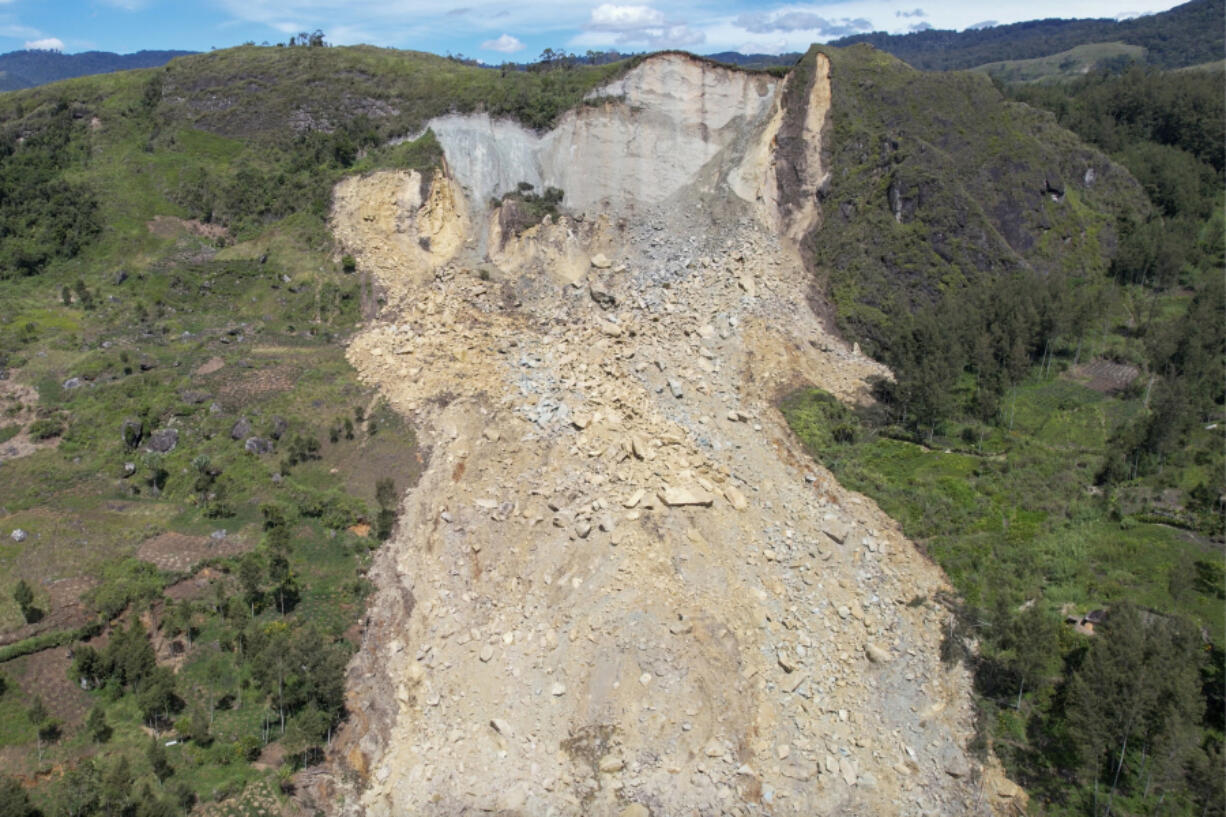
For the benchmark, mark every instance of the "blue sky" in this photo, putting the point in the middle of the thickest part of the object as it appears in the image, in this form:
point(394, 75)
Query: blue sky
point(496, 31)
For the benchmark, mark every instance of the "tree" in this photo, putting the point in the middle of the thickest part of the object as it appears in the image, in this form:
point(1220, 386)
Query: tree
point(14, 802)
point(24, 596)
point(158, 760)
point(116, 788)
point(96, 726)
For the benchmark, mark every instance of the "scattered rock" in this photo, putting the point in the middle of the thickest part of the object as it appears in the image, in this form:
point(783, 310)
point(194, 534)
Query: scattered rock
point(487, 653)
point(72, 383)
point(164, 441)
point(876, 654)
point(611, 763)
point(601, 295)
point(558, 689)
point(601, 261)
point(279, 426)
point(241, 429)
point(735, 498)
point(194, 398)
point(635, 810)
point(674, 386)
point(678, 496)
point(258, 445)
point(18, 535)
point(837, 529)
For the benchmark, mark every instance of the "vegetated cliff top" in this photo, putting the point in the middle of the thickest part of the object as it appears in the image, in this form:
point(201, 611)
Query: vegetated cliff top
point(1189, 34)
point(938, 183)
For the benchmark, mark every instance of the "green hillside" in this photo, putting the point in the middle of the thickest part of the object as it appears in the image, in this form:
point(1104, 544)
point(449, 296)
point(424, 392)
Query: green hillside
point(1186, 35)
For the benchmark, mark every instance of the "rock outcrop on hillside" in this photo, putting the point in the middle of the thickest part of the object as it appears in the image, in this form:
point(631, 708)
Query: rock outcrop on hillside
point(621, 587)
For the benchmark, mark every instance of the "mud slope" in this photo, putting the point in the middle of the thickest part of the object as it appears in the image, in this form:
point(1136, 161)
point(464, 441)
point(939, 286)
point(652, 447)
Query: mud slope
point(620, 588)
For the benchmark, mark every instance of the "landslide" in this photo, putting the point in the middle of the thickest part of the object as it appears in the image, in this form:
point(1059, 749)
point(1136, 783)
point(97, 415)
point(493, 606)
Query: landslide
point(620, 587)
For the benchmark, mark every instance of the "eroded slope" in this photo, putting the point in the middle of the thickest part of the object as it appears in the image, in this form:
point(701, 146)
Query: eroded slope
point(620, 587)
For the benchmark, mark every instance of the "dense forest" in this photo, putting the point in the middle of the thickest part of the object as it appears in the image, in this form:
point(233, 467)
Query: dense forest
point(1186, 35)
point(1045, 493)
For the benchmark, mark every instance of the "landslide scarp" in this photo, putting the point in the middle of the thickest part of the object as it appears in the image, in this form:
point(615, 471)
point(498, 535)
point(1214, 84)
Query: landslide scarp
point(620, 584)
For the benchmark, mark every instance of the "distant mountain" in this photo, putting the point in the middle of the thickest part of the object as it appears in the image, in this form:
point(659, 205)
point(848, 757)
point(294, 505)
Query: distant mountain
point(26, 69)
point(1186, 35)
point(758, 61)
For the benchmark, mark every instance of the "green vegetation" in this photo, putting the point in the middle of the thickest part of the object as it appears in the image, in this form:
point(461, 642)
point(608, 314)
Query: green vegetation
point(1066, 65)
point(1052, 436)
point(185, 481)
point(1185, 35)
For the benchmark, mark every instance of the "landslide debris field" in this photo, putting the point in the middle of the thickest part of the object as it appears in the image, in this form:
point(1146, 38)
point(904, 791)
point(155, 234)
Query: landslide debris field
point(619, 586)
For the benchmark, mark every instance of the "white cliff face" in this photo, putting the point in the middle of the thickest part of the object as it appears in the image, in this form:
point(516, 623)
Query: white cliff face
point(640, 140)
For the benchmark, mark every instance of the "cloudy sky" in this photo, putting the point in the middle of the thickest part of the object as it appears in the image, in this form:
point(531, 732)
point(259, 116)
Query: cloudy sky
point(496, 31)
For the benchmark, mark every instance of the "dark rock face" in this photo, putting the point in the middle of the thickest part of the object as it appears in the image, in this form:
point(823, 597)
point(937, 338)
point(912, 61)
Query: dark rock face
point(131, 432)
point(164, 440)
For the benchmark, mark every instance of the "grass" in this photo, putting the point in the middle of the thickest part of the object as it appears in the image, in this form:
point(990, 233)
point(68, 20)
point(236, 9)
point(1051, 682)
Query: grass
point(1015, 513)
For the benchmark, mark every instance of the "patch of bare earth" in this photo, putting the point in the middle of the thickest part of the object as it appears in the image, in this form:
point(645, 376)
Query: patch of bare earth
point(1104, 376)
point(178, 552)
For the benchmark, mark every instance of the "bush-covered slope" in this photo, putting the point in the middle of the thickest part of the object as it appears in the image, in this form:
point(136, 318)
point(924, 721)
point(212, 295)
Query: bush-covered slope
point(941, 186)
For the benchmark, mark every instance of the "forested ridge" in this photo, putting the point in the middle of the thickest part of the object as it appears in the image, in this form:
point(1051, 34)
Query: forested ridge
point(1189, 34)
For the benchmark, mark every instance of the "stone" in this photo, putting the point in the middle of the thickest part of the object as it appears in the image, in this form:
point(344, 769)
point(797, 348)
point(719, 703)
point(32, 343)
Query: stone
point(583, 529)
point(601, 295)
point(501, 727)
point(241, 429)
point(257, 445)
point(131, 433)
point(876, 654)
point(487, 653)
point(735, 498)
point(279, 426)
point(601, 261)
point(610, 329)
point(635, 810)
point(679, 496)
point(837, 529)
point(18, 535)
point(580, 421)
point(164, 441)
point(72, 383)
point(782, 751)
point(674, 386)
point(847, 768)
point(713, 748)
point(194, 398)
point(558, 689)
point(611, 763)
point(638, 447)
point(785, 661)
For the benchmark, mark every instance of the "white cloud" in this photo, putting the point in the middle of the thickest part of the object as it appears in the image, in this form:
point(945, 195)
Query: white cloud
point(45, 44)
point(609, 17)
point(506, 44)
point(787, 21)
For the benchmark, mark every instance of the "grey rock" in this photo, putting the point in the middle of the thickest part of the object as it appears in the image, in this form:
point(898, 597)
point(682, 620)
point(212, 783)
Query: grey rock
point(194, 398)
point(258, 445)
point(241, 429)
point(279, 426)
point(72, 383)
point(674, 386)
point(601, 295)
point(164, 441)
point(18, 535)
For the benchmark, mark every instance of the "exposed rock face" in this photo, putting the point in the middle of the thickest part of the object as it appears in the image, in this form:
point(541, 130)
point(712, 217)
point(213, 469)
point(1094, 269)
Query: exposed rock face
point(620, 587)
point(641, 140)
